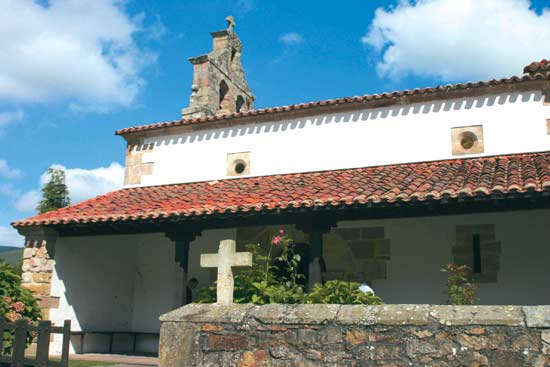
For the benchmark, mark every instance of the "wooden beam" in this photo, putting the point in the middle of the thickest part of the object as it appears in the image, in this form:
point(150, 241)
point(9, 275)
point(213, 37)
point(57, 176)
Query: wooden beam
point(415, 208)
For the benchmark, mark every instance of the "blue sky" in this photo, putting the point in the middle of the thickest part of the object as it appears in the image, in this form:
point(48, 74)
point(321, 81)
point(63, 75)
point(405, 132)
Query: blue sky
point(75, 71)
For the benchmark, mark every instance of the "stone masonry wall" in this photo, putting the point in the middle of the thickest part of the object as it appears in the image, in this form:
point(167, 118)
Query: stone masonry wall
point(355, 335)
point(37, 272)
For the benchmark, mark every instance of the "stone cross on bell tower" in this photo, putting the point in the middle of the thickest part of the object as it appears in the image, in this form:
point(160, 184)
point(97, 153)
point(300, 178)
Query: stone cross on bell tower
point(219, 85)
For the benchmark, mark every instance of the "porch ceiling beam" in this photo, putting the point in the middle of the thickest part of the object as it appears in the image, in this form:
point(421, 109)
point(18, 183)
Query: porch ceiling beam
point(444, 206)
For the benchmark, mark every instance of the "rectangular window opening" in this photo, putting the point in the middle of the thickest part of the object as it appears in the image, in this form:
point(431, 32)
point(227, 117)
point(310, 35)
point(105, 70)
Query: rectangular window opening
point(477, 253)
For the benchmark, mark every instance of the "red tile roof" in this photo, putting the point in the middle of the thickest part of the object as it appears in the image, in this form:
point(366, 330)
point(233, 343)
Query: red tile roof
point(538, 67)
point(427, 92)
point(402, 182)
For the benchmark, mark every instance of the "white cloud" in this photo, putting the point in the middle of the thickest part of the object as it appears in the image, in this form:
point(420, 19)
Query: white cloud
point(458, 39)
point(10, 237)
point(6, 171)
point(9, 117)
point(81, 50)
point(86, 183)
point(82, 184)
point(291, 39)
point(28, 201)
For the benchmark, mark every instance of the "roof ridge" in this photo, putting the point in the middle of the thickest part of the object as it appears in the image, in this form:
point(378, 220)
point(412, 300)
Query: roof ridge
point(338, 101)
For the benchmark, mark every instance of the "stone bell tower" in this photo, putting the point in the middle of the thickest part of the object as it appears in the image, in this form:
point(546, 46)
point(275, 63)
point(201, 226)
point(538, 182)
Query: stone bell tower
point(219, 85)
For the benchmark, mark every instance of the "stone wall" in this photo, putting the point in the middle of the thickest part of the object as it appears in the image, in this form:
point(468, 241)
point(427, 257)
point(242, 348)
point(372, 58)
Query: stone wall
point(37, 269)
point(355, 335)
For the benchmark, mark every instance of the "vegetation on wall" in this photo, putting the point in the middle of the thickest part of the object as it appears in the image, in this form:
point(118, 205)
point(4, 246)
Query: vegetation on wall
point(55, 194)
point(460, 288)
point(277, 279)
point(16, 303)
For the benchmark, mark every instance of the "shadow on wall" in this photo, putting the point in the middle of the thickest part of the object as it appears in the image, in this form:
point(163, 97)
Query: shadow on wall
point(109, 287)
point(351, 117)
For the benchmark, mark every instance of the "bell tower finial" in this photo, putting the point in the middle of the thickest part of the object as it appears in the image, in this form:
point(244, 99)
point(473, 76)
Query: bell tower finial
point(219, 85)
point(230, 23)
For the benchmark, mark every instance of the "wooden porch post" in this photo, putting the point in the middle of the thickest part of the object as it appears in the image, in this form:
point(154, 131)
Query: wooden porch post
point(316, 227)
point(182, 241)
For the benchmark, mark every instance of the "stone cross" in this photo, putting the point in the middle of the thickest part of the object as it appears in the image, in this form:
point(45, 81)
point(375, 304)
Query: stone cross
point(224, 260)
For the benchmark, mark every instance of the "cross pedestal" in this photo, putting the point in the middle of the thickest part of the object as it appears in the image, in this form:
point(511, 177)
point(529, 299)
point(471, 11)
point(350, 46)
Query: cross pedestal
point(224, 260)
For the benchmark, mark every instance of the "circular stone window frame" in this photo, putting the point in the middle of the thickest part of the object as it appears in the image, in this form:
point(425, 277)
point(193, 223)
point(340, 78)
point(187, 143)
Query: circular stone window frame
point(239, 167)
point(467, 140)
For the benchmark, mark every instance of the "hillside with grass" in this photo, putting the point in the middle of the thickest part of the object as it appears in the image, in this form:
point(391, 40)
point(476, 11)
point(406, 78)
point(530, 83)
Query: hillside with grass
point(11, 254)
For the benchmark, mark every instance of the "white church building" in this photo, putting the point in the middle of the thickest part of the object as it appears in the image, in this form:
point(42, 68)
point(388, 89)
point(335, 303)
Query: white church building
point(384, 189)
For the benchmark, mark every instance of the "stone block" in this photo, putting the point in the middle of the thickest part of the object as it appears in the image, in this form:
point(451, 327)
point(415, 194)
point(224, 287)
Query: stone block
point(311, 314)
point(39, 289)
point(362, 249)
point(357, 315)
point(403, 315)
point(226, 342)
point(492, 341)
point(372, 233)
point(48, 302)
point(178, 344)
point(382, 249)
point(42, 277)
point(375, 269)
point(29, 252)
point(208, 313)
point(349, 234)
point(526, 342)
point(537, 316)
point(478, 315)
point(27, 277)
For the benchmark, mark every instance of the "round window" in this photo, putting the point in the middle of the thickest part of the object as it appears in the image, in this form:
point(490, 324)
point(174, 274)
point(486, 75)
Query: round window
point(467, 140)
point(240, 166)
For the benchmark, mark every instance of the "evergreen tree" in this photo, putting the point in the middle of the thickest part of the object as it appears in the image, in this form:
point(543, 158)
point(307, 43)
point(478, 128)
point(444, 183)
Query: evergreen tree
point(55, 194)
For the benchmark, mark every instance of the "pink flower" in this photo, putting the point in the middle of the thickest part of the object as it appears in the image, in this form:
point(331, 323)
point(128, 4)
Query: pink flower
point(12, 316)
point(19, 306)
point(276, 240)
point(281, 232)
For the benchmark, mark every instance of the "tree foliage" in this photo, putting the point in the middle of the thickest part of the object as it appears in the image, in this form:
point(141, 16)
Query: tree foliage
point(16, 302)
point(55, 194)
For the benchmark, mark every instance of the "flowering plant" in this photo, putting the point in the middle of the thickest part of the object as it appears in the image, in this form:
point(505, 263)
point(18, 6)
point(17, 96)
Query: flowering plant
point(277, 279)
point(460, 288)
point(16, 303)
point(271, 279)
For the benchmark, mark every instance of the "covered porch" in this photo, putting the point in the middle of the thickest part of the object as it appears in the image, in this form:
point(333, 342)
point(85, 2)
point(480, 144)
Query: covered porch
point(115, 274)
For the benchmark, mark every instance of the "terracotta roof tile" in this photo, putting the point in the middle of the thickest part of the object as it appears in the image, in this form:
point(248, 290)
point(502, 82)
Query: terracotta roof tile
point(404, 182)
point(541, 67)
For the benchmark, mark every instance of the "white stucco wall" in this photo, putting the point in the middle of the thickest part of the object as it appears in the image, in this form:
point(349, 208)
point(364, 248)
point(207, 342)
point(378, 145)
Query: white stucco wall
point(421, 246)
point(512, 123)
point(123, 283)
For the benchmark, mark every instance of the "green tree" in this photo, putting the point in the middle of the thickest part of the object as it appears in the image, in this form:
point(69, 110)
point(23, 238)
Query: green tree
point(55, 194)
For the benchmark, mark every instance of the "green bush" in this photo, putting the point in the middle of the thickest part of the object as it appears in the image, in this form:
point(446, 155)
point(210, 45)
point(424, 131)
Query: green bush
point(460, 288)
point(16, 302)
point(338, 292)
point(265, 283)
